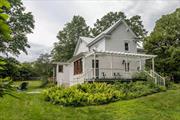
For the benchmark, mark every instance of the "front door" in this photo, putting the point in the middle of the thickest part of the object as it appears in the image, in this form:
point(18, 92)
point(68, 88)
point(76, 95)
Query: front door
point(97, 68)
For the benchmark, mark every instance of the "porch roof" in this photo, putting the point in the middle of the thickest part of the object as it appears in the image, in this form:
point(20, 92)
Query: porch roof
point(146, 56)
point(77, 57)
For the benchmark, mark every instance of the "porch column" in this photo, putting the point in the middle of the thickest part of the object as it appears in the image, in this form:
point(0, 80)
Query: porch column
point(84, 67)
point(54, 74)
point(153, 65)
point(111, 66)
point(94, 70)
point(140, 64)
point(57, 78)
point(126, 66)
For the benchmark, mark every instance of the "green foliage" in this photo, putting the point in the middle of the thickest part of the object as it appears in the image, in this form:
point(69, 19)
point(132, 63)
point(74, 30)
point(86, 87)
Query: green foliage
point(110, 18)
point(21, 23)
point(80, 95)
point(68, 37)
point(43, 65)
point(5, 87)
point(106, 21)
point(10, 69)
point(161, 106)
point(44, 68)
point(99, 93)
point(26, 71)
point(4, 28)
point(141, 76)
point(18, 71)
point(139, 88)
point(164, 41)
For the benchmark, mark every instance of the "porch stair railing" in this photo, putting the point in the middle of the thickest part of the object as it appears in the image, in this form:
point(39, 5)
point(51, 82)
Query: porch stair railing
point(158, 79)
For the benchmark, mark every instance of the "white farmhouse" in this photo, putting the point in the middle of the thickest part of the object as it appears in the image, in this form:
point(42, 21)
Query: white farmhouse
point(109, 56)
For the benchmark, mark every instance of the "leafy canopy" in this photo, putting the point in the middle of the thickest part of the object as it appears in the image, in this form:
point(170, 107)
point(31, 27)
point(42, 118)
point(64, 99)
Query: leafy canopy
point(164, 41)
point(20, 23)
point(68, 37)
point(110, 18)
point(4, 28)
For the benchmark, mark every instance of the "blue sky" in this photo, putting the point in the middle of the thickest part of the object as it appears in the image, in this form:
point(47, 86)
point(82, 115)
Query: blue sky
point(51, 15)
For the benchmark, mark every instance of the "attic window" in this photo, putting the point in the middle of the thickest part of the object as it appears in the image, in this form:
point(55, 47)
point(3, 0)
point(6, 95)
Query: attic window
point(126, 46)
point(60, 68)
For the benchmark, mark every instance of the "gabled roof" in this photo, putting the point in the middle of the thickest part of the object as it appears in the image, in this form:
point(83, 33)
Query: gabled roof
point(86, 40)
point(77, 57)
point(91, 41)
point(109, 30)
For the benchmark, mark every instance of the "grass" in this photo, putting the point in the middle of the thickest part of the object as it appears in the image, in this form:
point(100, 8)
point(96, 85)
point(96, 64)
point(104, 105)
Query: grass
point(160, 106)
point(33, 84)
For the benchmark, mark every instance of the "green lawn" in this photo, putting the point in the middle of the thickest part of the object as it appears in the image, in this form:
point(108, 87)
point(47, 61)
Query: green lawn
point(34, 84)
point(160, 106)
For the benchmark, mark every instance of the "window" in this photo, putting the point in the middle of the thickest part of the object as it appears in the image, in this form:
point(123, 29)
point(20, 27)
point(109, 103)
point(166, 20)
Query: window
point(127, 67)
point(126, 46)
point(97, 64)
point(78, 67)
point(60, 68)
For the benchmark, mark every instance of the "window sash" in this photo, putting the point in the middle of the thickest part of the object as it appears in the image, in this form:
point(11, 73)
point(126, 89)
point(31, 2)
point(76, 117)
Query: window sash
point(78, 67)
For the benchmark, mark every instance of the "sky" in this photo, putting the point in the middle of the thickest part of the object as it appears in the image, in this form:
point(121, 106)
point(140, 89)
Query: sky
point(51, 16)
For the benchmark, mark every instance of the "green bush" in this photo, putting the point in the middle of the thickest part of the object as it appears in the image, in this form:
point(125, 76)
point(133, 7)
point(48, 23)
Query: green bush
point(6, 86)
point(141, 76)
point(139, 88)
point(99, 93)
point(84, 94)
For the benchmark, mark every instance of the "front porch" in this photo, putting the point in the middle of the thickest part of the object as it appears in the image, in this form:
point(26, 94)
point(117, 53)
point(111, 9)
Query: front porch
point(109, 66)
point(114, 65)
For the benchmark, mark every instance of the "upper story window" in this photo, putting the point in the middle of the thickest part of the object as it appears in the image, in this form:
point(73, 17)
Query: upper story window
point(60, 68)
point(126, 46)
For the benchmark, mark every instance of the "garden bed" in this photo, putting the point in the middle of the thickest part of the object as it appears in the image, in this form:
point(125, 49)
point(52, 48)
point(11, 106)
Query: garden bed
point(99, 93)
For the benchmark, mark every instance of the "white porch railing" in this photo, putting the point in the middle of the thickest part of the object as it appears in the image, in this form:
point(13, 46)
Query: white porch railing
point(158, 78)
point(108, 73)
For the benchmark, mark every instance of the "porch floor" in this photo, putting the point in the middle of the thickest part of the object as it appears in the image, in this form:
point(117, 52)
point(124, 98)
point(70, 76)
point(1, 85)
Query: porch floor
point(112, 80)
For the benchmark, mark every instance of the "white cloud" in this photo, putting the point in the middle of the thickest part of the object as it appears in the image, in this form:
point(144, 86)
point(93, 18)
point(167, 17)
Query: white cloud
point(33, 52)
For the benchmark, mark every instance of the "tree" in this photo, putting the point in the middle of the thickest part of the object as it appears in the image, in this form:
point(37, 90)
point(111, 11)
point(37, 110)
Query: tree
point(106, 21)
point(164, 41)
point(110, 18)
point(43, 65)
point(68, 37)
point(11, 68)
point(27, 71)
point(5, 84)
point(4, 28)
point(21, 23)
